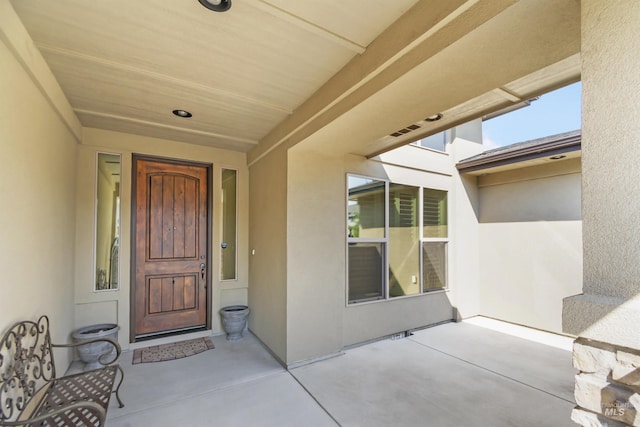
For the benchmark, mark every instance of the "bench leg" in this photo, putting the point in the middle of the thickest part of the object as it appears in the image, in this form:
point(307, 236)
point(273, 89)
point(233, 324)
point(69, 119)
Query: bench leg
point(117, 390)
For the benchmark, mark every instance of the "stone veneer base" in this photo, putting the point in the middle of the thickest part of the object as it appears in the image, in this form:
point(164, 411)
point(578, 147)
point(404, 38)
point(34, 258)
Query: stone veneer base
point(607, 387)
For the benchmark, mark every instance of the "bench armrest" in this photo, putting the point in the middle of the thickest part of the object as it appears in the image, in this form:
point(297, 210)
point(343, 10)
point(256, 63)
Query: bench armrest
point(93, 406)
point(103, 356)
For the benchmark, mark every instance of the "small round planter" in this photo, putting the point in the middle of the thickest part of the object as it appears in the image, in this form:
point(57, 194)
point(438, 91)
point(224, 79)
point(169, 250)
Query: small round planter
point(234, 320)
point(90, 353)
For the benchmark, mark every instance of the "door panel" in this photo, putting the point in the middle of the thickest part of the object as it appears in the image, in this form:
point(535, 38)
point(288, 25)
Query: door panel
point(171, 246)
point(172, 293)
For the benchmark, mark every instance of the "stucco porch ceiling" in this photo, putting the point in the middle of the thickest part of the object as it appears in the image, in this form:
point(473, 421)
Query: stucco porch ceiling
point(269, 72)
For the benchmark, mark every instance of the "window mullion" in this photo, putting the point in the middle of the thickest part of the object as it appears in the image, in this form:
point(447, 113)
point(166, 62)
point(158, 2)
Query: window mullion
point(386, 240)
point(420, 240)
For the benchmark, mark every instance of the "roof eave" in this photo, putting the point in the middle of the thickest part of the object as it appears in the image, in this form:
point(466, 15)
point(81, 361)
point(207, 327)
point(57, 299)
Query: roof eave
point(569, 143)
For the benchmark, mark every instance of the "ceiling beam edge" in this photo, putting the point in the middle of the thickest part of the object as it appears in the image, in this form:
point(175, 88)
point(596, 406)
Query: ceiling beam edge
point(163, 126)
point(507, 95)
point(307, 25)
point(474, 113)
point(402, 38)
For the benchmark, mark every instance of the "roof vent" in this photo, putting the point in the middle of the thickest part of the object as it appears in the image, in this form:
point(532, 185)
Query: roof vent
point(406, 130)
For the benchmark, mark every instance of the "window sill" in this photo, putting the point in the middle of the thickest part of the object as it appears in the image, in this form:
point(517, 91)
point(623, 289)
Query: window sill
point(378, 301)
point(433, 150)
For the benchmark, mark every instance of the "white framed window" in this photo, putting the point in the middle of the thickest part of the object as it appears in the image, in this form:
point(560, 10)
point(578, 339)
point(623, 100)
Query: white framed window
point(367, 238)
point(437, 141)
point(404, 236)
point(435, 238)
point(397, 240)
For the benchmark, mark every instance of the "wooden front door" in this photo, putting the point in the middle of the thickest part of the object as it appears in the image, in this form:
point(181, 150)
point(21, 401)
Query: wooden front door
point(170, 250)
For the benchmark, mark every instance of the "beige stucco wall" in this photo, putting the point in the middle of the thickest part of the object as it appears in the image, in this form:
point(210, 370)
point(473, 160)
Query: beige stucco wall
point(319, 321)
point(367, 321)
point(609, 310)
point(464, 234)
point(315, 253)
point(530, 245)
point(114, 306)
point(298, 231)
point(268, 246)
point(37, 184)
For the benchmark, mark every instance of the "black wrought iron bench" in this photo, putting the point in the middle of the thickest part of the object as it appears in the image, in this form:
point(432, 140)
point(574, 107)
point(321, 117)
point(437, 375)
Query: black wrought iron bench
point(32, 395)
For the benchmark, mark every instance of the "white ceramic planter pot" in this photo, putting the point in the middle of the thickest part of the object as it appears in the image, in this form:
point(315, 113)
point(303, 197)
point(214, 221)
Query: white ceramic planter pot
point(234, 320)
point(90, 353)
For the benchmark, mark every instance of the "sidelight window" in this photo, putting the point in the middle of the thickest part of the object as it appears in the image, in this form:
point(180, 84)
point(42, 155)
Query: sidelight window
point(229, 254)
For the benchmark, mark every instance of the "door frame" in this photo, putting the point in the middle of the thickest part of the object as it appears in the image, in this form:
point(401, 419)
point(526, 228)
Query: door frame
point(132, 268)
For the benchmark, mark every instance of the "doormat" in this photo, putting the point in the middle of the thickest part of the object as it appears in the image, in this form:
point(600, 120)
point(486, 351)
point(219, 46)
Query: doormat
point(176, 350)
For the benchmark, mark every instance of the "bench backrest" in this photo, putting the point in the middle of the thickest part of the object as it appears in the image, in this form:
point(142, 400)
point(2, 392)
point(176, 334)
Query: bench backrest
point(26, 365)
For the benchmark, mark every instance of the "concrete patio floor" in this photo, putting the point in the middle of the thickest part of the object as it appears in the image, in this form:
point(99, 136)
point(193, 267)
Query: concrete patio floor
point(457, 374)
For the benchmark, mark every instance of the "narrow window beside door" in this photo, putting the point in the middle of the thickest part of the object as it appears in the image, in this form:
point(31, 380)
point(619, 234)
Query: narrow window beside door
point(228, 257)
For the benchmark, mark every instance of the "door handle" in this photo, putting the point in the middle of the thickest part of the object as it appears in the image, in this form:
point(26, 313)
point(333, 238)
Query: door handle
point(202, 268)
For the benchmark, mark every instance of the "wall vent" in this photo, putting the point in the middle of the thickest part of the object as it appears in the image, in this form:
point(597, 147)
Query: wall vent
point(406, 130)
point(401, 335)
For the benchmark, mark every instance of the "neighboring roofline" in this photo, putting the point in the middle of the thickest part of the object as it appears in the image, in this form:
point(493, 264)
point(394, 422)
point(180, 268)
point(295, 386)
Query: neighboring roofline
point(522, 151)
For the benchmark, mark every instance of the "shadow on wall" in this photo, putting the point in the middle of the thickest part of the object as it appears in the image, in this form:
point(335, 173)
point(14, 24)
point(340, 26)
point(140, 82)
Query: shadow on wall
point(556, 198)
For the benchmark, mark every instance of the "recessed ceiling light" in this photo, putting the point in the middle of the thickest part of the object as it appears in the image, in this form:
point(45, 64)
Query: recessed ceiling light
point(558, 157)
point(434, 118)
point(182, 113)
point(216, 5)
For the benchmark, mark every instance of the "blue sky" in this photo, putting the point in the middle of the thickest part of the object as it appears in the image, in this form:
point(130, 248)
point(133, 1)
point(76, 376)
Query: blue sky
point(555, 112)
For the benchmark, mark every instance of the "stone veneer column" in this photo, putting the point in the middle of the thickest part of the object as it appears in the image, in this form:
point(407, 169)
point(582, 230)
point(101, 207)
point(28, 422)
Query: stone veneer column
point(606, 316)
